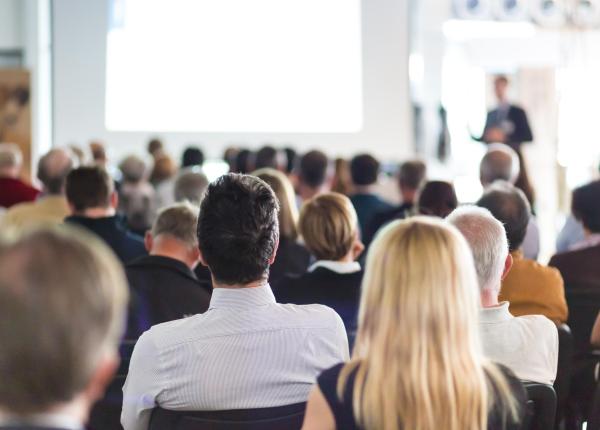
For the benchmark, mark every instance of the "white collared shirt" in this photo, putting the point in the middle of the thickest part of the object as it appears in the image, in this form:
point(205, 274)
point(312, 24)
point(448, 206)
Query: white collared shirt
point(336, 266)
point(246, 351)
point(527, 345)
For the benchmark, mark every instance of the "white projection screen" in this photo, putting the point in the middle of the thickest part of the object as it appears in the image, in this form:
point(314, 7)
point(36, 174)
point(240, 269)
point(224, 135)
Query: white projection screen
point(271, 66)
point(327, 74)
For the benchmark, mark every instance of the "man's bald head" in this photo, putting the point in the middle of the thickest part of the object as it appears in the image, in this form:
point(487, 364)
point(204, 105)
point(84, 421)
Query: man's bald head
point(500, 162)
point(53, 169)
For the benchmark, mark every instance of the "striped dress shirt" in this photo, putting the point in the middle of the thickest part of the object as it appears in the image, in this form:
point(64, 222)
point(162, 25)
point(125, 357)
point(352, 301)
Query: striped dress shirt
point(246, 351)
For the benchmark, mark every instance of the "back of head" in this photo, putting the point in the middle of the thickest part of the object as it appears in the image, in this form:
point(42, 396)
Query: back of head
point(89, 187)
point(487, 239)
point(329, 226)
point(509, 205)
point(500, 162)
point(238, 229)
point(242, 161)
point(53, 169)
point(312, 169)
point(418, 351)
point(291, 159)
point(133, 169)
point(164, 168)
point(155, 147)
point(98, 152)
point(284, 191)
point(192, 156)
point(437, 198)
point(585, 206)
point(57, 325)
point(191, 186)
point(364, 170)
point(179, 222)
point(412, 174)
point(11, 159)
point(267, 156)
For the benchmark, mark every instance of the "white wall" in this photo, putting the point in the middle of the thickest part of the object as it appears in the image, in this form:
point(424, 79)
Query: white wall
point(79, 42)
point(11, 30)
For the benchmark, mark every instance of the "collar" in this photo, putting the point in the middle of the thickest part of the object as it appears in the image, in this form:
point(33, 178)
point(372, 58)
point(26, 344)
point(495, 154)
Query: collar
point(588, 242)
point(495, 314)
point(241, 298)
point(336, 266)
point(163, 261)
point(58, 421)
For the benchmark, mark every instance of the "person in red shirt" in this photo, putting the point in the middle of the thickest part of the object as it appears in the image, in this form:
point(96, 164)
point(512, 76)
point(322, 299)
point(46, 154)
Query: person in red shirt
point(12, 189)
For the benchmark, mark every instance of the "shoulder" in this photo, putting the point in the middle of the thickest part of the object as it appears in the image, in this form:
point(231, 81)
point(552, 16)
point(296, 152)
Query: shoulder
point(550, 275)
point(539, 328)
point(316, 316)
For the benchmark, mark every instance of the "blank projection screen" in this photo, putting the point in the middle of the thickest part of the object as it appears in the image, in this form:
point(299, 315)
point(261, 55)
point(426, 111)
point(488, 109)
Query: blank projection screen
point(234, 66)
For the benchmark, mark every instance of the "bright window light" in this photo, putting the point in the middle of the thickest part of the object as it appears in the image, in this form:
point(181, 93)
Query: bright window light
point(462, 30)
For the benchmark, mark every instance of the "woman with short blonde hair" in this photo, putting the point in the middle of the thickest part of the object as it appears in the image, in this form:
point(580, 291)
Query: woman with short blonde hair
point(329, 227)
point(417, 362)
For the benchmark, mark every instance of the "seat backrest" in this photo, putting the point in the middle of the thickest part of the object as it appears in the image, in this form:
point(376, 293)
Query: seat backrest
point(584, 304)
point(562, 384)
point(281, 417)
point(541, 406)
point(594, 415)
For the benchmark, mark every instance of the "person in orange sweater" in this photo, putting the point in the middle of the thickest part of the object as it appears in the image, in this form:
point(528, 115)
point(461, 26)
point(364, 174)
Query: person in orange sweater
point(531, 288)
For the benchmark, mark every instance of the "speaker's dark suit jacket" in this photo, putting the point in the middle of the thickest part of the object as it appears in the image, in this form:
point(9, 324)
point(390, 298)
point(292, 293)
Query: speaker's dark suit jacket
point(579, 267)
point(516, 116)
point(163, 289)
point(340, 291)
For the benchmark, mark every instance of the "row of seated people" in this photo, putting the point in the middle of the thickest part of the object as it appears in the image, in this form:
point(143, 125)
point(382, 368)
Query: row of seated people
point(419, 358)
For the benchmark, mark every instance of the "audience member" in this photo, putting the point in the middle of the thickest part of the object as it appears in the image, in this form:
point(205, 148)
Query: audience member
point(93, 202)
point(341, 182)
point(528, 344)
point(247, 351)
point(579, 267)
point(529, 287)
point(12, 189)
point(136, 195)
point(230, 156)
point(162, 178)
point(437, 198)
point(417, 367)
point(364, 170)
point(98, 152)
point(291, 258)
point(163, 285)
point(501, 163)
point(192, 157)
point(79, 155)
point(51, 207)
point(329, 226)
point(156, 148)
point(269, 157)
point(242, 161)
point(410, 178)
point(190, 186)
point(291, 158)
point(62, 301)
point(313, 175)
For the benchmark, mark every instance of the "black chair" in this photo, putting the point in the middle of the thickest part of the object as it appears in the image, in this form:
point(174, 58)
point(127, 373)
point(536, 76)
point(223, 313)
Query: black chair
point(562, 384)
point(594, 415)
point(287, 417)
point(584, 303)
point(541, 406)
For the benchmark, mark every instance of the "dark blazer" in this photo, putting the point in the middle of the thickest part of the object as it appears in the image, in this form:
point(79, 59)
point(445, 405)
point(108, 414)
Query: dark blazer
point(580, 267)
point(323, 286)
point(521, 131)
point(367, 206)
point(126, 245)
point(382, 218)
point(291, 258)
point(163, 289)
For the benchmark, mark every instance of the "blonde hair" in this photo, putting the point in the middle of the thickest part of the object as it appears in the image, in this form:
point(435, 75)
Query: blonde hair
point(283, 189)
point(417, 356)
point(62, 298)
point(328, 224)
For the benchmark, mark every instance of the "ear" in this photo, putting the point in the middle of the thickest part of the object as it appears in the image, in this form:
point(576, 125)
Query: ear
point(507, 266)
point(357, 248)
point(148, 240)
point(103, 375)
point(114, 200)
point(272, 259)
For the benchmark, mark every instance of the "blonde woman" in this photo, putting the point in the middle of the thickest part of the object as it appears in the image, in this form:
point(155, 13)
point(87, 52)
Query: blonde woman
point(417, 363)
point(291, 256)
point(329, 227)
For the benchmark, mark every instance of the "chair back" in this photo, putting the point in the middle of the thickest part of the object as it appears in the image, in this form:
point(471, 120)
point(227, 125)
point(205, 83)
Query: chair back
point(584, 304)
point(541, 406)
point(562, 384)
point(594, 415)
point(281, 417)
